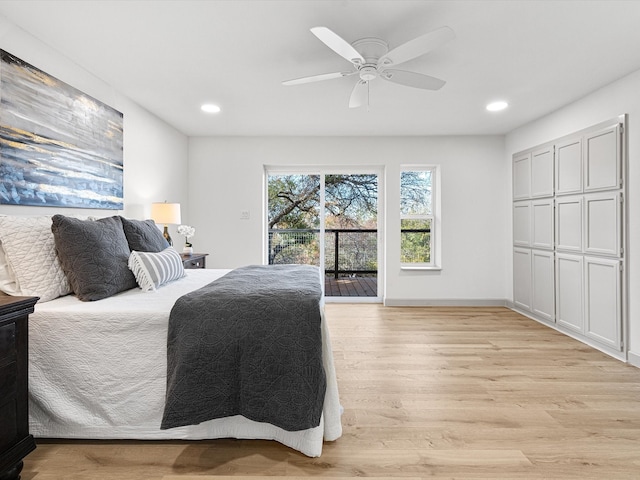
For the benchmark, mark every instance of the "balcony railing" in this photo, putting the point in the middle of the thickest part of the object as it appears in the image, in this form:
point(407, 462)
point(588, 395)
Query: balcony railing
point(351, 266)
point(346, 251)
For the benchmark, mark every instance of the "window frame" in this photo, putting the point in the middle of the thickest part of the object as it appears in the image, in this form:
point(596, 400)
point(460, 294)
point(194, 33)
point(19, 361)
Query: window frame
point(434, 217)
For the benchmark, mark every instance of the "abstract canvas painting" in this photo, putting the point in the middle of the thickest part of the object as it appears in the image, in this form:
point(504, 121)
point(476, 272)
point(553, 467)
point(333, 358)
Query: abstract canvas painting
point(58, 146)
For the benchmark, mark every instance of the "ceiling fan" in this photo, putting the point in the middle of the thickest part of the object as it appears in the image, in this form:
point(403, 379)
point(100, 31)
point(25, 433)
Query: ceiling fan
point(372, 58)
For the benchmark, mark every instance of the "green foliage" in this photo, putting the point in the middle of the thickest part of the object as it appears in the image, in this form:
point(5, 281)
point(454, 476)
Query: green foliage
point(415, 245)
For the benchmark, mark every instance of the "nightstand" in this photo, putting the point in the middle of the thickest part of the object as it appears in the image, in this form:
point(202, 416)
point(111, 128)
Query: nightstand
point(195, 260)
point(15, 440)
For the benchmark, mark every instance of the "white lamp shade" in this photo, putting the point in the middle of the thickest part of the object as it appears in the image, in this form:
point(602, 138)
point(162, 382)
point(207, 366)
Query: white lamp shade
point(166, 213)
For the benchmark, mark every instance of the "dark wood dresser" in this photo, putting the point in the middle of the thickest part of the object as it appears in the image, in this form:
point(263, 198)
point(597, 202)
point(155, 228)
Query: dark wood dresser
point(15, 440)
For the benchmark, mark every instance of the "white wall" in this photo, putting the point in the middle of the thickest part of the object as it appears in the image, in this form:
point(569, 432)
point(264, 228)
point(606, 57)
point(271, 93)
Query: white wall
point(155, 154)
point(620, 97)
point(226, 176)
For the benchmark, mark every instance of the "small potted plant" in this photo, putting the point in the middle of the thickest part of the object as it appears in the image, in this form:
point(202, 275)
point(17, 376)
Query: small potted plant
point(188, 232)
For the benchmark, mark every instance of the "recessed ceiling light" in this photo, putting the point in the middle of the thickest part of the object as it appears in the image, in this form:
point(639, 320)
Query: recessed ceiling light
point(497, 106)
point(210, 108)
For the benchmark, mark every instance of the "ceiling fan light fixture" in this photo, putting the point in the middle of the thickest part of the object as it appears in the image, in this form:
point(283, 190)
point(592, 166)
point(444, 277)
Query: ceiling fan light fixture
point(497, 106)
point(368, 73)
point(210, 108)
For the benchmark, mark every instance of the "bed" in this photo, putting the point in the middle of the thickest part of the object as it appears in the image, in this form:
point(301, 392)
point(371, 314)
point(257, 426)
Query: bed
point(98, 369)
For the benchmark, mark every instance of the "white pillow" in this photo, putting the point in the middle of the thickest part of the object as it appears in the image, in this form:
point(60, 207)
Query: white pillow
point(30, 254)
point(153, 270)
point(8, 283)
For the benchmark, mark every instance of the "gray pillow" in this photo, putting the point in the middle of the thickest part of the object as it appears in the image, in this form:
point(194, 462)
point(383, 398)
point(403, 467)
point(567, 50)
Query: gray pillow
point(154, 269)
point(143, 235)
point(94, 256)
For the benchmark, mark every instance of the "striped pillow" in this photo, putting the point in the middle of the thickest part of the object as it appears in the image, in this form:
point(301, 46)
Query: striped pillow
point(153, 270)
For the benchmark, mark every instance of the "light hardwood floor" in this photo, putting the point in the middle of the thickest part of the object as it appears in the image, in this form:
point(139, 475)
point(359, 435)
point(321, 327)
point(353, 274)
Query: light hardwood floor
point(477, 393)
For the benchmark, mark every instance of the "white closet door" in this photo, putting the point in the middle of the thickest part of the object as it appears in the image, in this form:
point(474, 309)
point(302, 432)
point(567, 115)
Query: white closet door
point(522, 177)
point(569, 291)
point(602, 300)
point(569, 219)
point(522, 223)
point(569, 233)
point(568, 167)
point(602, 159)
point(522, 278)
point(543, 285)
point(602, 224)
point(542, 172)
point(542, 223)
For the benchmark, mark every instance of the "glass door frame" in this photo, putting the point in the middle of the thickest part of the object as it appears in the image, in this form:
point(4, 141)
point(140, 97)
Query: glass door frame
point(322, 171)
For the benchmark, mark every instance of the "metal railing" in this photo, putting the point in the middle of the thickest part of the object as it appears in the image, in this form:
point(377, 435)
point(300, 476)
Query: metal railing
point(351, 252)
point(347, 251)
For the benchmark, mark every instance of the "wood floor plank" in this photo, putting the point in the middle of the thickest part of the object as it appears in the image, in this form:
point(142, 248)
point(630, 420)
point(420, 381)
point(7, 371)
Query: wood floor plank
point(428, 392)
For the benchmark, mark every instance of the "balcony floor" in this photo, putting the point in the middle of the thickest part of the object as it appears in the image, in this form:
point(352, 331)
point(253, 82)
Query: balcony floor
point(350, 286)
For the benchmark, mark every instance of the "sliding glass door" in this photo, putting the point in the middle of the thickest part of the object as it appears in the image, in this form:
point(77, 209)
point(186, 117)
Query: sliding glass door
point(329, 220)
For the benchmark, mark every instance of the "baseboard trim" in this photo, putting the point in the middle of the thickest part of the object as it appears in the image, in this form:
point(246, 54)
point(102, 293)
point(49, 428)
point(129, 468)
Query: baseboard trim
point(445, 302)
point(633, 359)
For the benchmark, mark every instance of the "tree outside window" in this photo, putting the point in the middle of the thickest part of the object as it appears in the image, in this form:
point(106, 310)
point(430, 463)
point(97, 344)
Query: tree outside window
point(350, 220)
point(417, 216)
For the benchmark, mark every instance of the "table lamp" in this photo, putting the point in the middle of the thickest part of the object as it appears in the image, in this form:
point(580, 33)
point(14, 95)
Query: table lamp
point(165, 214)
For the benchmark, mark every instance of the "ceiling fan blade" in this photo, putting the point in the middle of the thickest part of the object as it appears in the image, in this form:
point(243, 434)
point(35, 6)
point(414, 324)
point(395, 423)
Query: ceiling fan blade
point(413, 79)
point(359, 94)
point(338, 44)
point(317, 78)
point(417, 47)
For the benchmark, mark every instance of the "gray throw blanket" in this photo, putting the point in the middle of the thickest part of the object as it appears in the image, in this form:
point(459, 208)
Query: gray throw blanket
point(248, 344)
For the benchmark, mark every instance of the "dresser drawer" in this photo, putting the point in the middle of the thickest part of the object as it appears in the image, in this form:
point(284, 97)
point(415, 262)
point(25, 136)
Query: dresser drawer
point(7, 343)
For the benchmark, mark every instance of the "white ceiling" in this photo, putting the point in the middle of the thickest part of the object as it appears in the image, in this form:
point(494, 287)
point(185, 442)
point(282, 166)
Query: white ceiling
point(172, 56)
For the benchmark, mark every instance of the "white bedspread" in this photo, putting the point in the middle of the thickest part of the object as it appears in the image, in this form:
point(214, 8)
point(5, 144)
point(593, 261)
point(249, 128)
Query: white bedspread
point(98, 371)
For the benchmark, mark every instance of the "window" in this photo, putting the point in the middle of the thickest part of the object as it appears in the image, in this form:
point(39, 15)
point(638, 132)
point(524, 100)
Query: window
point(418, 221)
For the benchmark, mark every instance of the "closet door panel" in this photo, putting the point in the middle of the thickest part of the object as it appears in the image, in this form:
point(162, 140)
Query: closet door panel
point(522, 223)
point(522, 278)
point(569, 223)
point(542, 173)
point(542, 223)
point(602, 224)
point(602, 159)
point(568, 167)
point(543, 285)
point(569, 291)
point(522, 177)
point(602, 301)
